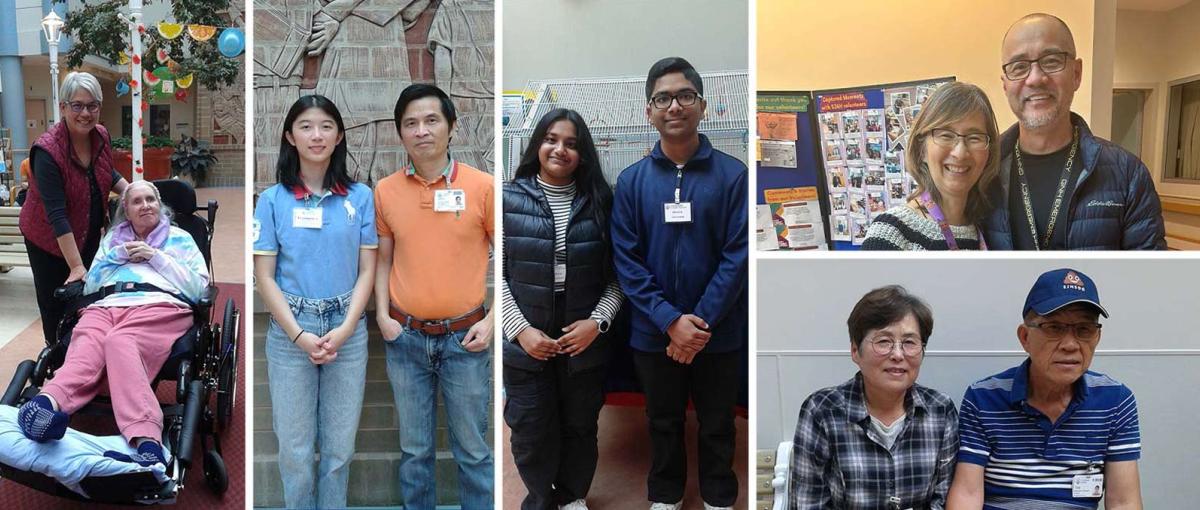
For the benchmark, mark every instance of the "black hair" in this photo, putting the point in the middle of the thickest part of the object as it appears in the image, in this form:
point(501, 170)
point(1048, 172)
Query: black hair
point(673, 65)
point(589, 177)
point(886, 305)
point(287, 167)
point(422, 90)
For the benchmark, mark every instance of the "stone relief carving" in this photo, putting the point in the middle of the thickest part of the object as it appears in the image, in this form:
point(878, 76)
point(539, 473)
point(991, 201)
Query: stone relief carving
point(361, 54)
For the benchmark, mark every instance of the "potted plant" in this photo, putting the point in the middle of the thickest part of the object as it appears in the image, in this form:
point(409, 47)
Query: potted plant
point(192, 160)
point(156, 152)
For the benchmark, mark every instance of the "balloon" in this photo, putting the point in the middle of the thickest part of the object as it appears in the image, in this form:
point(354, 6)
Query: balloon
point(122, 87)
point(232, 42)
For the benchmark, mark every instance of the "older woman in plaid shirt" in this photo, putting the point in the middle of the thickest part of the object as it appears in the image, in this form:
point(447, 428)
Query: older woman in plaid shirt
point(879, 440)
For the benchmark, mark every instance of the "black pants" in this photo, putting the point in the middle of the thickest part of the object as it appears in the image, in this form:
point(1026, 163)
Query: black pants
point(711, 381)
point(553, 414)
point(49, 273)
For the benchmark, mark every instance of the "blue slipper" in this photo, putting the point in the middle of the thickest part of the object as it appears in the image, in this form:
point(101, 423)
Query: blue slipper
point(40, 422)
point(148, 454)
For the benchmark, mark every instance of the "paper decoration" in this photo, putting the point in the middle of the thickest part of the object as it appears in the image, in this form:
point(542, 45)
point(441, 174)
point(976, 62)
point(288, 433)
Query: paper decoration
point(169, 30)
point(202, 32)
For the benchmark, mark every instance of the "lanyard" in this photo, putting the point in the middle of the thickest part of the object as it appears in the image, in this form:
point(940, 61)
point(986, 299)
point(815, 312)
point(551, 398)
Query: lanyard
point(678, 181)
point(1044, 242)
point(931, 208)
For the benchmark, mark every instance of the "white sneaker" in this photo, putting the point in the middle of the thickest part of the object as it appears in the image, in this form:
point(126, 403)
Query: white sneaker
point(578, 504)
point(666, 506)
point(710, 507)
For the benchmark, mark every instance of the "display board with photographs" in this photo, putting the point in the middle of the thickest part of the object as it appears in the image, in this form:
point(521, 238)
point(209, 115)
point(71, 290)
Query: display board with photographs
point(789, 213)
point(863, 135)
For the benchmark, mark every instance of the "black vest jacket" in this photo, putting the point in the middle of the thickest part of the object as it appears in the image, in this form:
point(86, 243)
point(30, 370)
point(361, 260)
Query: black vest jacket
point(529, 268)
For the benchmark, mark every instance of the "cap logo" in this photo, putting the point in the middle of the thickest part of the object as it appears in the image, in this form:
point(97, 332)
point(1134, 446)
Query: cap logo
point(1073, 282)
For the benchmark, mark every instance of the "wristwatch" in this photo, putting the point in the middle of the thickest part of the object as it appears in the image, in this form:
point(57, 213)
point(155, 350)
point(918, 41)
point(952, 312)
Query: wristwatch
point(602, 324)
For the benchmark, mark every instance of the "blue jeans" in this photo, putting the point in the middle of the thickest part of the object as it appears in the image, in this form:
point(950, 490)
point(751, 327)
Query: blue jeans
point(316, 407)
point(418, 365)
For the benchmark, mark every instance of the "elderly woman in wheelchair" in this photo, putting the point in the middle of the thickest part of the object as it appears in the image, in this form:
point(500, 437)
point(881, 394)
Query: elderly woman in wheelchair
point(146, 276)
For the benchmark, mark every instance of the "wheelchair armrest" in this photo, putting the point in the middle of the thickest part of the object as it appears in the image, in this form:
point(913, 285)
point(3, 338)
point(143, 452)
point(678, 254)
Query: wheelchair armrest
point(69, 292)
point(208, 298)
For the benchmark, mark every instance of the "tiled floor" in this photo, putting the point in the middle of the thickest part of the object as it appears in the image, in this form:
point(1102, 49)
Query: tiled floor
point(620, 481)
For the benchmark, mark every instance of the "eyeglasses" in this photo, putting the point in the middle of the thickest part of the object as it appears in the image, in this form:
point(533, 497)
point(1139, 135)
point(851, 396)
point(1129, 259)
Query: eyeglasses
point(1084, 331)
point(685, 99)
point(1049, 63)
point(949, 139)
point(77, 107)
point(885, 346)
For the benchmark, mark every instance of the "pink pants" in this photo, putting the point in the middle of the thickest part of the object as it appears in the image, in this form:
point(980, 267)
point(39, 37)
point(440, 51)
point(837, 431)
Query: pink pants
point(129, 346)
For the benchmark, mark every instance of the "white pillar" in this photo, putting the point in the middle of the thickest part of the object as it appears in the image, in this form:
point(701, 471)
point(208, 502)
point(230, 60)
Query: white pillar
point(54, 80)
point(135, 72)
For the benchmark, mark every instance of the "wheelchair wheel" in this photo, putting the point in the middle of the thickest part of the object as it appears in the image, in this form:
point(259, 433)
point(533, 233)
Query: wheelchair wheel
point(214, 472)
point(227, 371)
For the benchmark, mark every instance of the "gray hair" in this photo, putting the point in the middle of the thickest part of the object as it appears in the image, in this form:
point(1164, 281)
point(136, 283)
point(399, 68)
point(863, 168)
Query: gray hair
point(80, 80)
point(164, 211)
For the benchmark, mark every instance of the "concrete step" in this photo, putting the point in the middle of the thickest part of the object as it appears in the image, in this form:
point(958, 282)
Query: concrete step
point(373, 481)
point(375, 467)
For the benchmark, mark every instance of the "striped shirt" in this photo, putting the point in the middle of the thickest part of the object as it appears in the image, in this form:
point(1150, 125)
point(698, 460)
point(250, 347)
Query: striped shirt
point(903, 229)
point(840, 461)
point(560, 198)
point(1030, 462)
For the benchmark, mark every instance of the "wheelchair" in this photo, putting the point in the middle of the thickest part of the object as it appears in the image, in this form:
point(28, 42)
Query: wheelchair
point(202, 363)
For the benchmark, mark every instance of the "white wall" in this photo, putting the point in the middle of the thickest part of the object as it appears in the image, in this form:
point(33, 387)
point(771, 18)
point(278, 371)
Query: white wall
point(1149, 343)
point(546, 39)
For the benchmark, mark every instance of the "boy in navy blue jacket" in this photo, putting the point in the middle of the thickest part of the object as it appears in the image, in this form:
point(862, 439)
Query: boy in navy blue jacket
point(680, 248)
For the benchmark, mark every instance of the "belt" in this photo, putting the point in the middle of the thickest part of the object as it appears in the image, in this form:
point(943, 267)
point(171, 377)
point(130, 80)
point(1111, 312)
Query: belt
point(438, 327)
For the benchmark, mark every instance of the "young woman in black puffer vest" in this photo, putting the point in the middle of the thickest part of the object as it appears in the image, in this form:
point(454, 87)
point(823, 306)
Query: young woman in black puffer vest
point(560, 293)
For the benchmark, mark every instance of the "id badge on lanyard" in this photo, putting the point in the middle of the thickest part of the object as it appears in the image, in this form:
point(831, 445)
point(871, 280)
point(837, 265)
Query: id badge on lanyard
point(677, 211)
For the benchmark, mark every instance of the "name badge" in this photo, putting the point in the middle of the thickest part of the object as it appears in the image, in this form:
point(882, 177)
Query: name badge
point(1087, 486)
point(449, 200)
point(677, 212)
point(560, 273)
point(306, 217)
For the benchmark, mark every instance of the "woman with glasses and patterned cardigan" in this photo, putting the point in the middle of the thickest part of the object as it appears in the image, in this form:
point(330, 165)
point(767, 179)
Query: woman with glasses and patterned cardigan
point(952, 156)
point(67, 203)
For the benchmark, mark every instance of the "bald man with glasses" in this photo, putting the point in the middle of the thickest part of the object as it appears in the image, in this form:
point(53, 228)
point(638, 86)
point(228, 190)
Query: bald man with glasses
point(1060, 186)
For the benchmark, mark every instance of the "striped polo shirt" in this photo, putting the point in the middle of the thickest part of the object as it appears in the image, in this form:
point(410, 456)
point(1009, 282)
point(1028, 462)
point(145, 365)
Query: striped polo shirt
point(1030, 462)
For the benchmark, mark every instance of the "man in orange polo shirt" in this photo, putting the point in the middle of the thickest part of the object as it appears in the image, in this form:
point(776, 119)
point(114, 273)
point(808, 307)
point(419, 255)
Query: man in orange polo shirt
point(435, 226)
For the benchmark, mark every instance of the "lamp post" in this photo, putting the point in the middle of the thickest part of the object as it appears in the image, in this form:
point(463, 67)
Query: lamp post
point(52, 27)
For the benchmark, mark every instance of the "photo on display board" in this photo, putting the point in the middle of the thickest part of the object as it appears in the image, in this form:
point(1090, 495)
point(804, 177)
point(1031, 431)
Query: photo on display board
point(874, 121)
point(840, 227)
point(853, 146)
point(838, 202)
point(837, 178)
point(856, 173)
point(831, 126)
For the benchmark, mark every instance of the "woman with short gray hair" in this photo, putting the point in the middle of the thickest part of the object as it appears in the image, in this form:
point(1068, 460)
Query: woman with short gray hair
point(66, 205)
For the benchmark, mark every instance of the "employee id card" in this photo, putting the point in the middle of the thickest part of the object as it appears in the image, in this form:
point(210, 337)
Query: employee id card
point(1087, 486)
point(449, 200)
point(306, 217)
point(677, 212)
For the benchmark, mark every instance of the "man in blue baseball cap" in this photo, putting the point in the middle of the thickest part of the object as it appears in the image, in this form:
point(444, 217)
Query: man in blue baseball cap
point(1049, 433)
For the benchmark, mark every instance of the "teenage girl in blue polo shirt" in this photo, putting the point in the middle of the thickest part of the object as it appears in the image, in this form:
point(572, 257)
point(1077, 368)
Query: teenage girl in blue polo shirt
point(314, 236)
